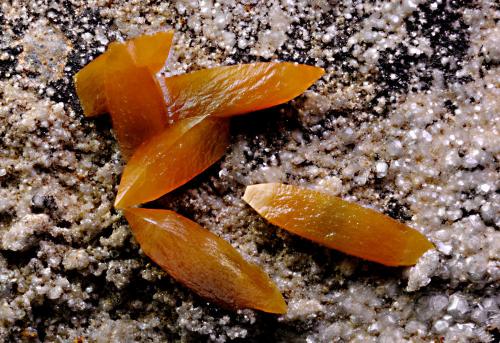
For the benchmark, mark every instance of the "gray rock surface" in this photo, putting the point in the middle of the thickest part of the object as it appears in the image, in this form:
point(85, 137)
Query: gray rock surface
point(406, 121)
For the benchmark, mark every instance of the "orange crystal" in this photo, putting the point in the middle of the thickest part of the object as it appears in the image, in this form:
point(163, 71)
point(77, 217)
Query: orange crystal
point(148, 51)
point(172, 158)
point(134, 100)
point(338, 224)
point(89, 85)
point(232, 90)
point(205, 263)
point(151, 51)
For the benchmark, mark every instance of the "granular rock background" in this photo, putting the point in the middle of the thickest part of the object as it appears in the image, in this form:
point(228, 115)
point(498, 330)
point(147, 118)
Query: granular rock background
point(406, 121)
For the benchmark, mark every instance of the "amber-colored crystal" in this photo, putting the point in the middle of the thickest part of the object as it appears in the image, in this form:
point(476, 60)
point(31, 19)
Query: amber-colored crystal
point(149, 51)
point(205, 263)
point(338, 224)
point(134, 100)
point(172, 158)
point(232, 90)
point(89, 85)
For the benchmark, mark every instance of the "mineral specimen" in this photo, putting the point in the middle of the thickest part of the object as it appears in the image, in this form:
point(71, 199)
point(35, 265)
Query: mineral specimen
point(171, 159)
point(232, 90)
point(338, 224)
point(202, 261)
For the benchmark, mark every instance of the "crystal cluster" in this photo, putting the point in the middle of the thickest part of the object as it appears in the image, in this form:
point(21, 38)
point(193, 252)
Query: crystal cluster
point(412, 85)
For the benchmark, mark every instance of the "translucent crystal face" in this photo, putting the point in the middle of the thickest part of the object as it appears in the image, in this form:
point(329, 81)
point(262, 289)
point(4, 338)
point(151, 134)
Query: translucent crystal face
point(202, 261)
point(338, 224)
